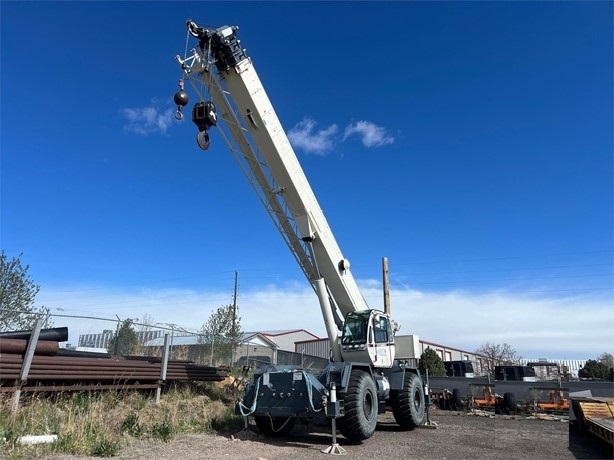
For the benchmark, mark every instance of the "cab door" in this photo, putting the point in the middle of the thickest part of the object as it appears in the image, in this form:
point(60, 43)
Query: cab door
point(382, 343)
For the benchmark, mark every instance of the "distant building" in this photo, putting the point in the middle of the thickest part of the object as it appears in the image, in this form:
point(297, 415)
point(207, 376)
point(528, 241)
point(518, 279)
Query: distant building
point(255, 348)
point(550, 369)
point(101, 341)
point(408, 347)
point(448, 353)
point(284, 340)
point(98, 341)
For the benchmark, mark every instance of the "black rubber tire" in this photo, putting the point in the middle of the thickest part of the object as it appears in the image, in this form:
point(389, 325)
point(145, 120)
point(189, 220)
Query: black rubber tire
point(408, 404)
point(360, 405)
point(580, 423)
point(509, 403)
point(274, 427)
point(456, 401)
point(499, 406)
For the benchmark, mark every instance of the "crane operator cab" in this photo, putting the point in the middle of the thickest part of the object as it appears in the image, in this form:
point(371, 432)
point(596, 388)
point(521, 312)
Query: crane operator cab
point(368, 337)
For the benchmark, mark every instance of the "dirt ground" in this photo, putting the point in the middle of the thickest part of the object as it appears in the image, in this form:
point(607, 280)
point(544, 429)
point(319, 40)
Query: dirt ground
point(457, 436)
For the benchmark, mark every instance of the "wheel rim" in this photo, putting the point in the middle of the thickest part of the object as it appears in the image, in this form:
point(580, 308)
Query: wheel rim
point(368, 405)
point(417, 400)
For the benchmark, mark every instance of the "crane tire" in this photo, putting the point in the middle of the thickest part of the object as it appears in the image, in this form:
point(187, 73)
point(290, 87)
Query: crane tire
point(274, 427)
point(360, 405)
point(509, 402)
point(408, 404)
point(456, 402)
point(499, 409)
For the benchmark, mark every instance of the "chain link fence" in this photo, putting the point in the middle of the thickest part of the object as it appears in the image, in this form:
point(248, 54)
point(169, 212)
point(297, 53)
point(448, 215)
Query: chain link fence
point(106, 335)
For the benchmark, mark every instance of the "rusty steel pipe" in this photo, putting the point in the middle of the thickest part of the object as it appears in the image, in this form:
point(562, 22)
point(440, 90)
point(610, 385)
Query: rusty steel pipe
point(56, 334)
point(47, 347)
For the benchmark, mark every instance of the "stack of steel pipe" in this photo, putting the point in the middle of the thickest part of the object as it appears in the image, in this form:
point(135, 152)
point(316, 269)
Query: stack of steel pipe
point(50, 367)
point(113, 368)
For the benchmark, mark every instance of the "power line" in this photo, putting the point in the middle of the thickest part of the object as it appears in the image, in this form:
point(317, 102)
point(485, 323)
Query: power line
point(515, 291)
point(607, 251)
point(551, 267)
point(515, 279)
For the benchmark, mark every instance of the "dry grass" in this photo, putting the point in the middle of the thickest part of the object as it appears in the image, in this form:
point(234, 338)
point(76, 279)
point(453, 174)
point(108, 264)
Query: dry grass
point(99, 423)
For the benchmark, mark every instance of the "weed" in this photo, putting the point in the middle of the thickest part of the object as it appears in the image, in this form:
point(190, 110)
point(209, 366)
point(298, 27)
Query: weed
point(105, 447)
point(136, 400)
point(66, 443)
point(92, 423)
point(132, 426)
point(111, 399)
point(227, 422)
point(163, 430)
point(6, 434)
point(80, 402)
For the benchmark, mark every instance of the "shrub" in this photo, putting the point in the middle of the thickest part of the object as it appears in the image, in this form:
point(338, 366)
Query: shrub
point(163, 430)
point(132, 426)
point(105, 447)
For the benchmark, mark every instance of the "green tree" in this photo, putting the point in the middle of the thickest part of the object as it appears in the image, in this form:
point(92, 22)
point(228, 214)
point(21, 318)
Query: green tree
point(595, 370)
point(429, 359)
point(221, 335)
point(126, 338)
point(607, 359)
point(497, 354)
point(17, 294)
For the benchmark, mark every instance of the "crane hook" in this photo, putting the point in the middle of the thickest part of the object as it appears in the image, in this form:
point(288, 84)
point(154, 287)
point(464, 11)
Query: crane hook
point(181, 100)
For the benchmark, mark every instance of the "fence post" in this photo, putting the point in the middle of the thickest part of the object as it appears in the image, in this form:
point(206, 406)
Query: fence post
point(27, 361)
point(116, 351)
point(163, 368)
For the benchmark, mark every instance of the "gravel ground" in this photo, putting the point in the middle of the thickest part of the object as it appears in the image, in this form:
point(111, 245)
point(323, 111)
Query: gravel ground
point(457, 436)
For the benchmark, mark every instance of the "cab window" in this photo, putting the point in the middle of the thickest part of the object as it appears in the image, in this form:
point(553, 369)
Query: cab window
point(381, 327)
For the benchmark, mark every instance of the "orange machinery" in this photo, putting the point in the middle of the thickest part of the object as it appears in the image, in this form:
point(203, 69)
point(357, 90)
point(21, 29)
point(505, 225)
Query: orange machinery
point(556, 401)
point(488, 398)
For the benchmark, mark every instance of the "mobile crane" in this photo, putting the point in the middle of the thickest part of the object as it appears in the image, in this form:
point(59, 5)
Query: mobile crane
point(363, 378)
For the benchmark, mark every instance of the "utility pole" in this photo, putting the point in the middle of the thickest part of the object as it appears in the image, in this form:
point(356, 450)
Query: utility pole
point(234, 319)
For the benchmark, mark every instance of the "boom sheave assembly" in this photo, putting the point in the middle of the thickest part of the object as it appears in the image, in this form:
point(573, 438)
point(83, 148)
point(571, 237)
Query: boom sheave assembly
point(363, 370)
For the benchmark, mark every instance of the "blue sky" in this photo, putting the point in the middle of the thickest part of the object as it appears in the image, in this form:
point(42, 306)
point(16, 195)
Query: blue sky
point(469, 142)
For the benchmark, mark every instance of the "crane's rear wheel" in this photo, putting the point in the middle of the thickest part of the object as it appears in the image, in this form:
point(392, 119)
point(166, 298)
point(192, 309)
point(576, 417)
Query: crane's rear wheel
point(408, 404)
point(360, 405)
point(274, 427)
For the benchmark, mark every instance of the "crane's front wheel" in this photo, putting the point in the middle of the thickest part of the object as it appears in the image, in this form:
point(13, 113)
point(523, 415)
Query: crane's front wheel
point(360, 407)
point(408, 404)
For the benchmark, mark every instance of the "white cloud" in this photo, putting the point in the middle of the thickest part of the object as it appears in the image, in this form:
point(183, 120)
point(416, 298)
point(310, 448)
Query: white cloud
point(148, 120)
point(305, 136)
point(571, 327)
point(554, 328)
point(370, 134)
point(320, 142)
